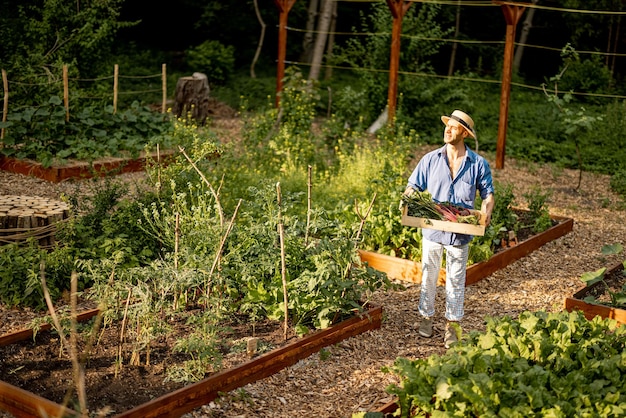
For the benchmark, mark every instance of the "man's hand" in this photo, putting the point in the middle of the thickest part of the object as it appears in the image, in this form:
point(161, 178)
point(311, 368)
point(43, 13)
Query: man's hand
point(407, 192)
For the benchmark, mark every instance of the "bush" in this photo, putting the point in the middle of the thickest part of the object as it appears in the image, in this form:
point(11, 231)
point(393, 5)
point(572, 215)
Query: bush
point(214, 59)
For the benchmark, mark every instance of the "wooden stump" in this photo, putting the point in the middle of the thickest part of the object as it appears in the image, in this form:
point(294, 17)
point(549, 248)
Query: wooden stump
point(192, 97)
point(24, 217)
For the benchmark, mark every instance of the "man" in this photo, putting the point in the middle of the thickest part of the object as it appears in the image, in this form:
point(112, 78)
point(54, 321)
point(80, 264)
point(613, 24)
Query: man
point(452, 173)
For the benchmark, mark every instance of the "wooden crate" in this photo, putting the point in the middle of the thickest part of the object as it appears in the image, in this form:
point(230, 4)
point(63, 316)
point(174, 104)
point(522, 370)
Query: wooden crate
point(448, 226)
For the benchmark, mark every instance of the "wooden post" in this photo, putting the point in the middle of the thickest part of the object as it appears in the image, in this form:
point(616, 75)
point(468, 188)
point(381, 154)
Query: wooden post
point(398, 10)
point(283, 6)
point(164, 85)
point(5, 107)
point(66, 94)
point(116, 72)
point(512, 15)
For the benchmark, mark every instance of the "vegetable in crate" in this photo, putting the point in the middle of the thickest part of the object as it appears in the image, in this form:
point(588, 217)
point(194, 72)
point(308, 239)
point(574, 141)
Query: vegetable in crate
point(421, 205)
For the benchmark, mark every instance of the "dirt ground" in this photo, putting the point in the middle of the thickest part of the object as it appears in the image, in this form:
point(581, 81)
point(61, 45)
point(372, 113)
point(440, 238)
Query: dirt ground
point(348, 378)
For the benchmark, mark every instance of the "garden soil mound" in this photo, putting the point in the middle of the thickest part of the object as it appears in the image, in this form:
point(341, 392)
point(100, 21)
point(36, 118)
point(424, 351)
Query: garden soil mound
point(348, 377)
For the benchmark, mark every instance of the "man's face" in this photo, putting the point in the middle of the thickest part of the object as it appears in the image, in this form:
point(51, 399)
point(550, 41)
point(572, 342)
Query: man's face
point(454, 132)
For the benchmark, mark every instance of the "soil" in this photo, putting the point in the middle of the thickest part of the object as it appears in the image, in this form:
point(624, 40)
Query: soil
point(350, 376)
point(115, 380)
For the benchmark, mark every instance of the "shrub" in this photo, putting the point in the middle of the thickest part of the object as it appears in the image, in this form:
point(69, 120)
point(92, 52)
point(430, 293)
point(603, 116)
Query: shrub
point(212, 58)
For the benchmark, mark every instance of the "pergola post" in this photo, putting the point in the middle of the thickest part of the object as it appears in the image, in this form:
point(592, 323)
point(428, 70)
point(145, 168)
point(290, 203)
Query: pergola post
point(398, 10)
point(284, 6)
point(512, 15)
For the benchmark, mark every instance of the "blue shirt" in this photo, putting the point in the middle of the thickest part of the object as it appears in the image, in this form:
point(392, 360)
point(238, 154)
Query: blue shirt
point(433, 175)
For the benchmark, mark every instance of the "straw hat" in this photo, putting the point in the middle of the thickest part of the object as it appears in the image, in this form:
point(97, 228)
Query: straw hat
point(463, 118)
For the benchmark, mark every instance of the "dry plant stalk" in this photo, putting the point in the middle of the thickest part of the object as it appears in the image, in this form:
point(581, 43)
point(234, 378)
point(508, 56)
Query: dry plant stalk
point(118, 364)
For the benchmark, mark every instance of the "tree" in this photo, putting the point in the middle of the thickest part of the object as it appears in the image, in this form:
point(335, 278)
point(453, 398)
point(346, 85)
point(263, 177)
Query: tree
point(320, 39)
point(526, 26)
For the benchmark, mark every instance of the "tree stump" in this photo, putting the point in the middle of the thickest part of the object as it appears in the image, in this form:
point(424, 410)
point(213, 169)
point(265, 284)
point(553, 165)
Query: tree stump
point(192, 97)
point(24, 217)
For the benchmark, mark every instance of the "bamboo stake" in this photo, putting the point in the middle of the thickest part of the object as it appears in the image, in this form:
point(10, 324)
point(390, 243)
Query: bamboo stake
point(79, 373)
point(308, 209)
point(215, 194)
point(164, 84)
point(116, 72)
point(66, 94)
point(283, 269)
point(5, 108)
point(176, 240)
point(218, 254)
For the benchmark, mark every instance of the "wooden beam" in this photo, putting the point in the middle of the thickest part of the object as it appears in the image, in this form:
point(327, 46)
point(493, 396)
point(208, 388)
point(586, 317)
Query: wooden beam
point(284, 6)
point(398, 10)
point(512, 15)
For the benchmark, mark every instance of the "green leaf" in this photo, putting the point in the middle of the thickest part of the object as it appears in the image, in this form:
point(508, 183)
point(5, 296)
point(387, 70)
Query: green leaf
point(55, 100)
point(612, 249)
point(592, 277)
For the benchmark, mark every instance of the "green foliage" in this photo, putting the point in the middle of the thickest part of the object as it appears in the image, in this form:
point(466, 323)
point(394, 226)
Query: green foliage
point(539, 213)
point(541, 364)
point(105, 224)
point(20, 273)
point(372, 52)
point(42, 133)
point(212, 58)
point(202, 346)
point(590, 75)
point(618, 182)
point(39, 37)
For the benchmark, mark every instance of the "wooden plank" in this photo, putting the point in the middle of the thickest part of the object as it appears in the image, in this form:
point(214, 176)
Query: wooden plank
point(591, 310)
point(27, 333)
point(80, 169)
point(448, 226)
point(190, 397)
point(397, 268)
point(498, 261)
point(24, 404)
point(411, 271)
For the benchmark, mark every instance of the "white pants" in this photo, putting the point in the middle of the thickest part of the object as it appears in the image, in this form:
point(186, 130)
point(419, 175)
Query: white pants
point(456, 267)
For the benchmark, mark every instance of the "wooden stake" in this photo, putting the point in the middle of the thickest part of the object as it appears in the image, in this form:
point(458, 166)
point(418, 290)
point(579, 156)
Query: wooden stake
point(283, 269)
point(66, 93)
point(176, 240)
point(5, 108)
point(116, 72)
point(308, 209)
point(164, 84)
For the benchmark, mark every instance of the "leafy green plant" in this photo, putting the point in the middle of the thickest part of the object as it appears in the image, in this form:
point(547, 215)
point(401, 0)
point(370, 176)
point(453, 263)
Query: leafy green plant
point(203, 347)
point(617, 299)
point(539, 213)
point(540, 364)
point(43, 133)
point(20, 283)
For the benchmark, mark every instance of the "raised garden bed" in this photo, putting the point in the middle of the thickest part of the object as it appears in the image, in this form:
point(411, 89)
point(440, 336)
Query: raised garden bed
point(411, 271)
point(79, 169)
point(22, 403)
point(614, 278)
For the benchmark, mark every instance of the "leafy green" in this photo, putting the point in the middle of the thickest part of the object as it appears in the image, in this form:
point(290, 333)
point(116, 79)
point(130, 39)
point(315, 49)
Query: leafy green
point(540, 364)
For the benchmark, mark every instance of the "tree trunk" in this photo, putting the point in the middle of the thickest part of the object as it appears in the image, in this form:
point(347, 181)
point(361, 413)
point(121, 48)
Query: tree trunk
point(309, 36)
point(456, 36)
point(320, 40)
point(331, 40)
point(528, 23)
point(192, 96)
